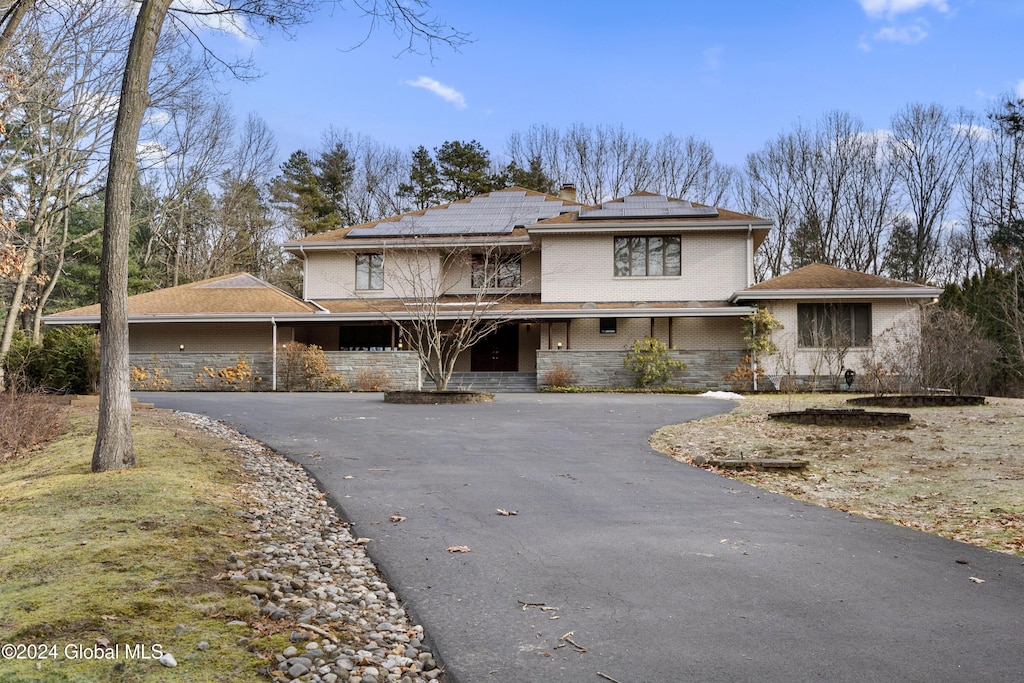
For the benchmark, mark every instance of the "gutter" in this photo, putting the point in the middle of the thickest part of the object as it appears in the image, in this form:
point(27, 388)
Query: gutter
point(879, 293)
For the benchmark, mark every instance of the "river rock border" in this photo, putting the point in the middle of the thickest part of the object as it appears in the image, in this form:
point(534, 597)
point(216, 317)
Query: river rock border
point(305, 569)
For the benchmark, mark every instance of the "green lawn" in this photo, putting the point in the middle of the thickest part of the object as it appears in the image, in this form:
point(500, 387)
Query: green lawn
point(124, 558)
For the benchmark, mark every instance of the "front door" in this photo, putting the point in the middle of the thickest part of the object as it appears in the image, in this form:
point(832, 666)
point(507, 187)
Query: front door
point(498, 351)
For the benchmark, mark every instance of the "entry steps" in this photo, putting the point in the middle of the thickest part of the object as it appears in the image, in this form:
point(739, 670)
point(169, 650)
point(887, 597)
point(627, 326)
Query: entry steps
point(500, 382)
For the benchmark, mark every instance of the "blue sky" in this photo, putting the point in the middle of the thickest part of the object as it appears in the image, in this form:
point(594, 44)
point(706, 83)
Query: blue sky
point(734, 72)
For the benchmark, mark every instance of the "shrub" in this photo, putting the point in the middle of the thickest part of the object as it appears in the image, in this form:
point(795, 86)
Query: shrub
point(376, 379)
point(237, 377)
point(741, 378)
point(650, 362)
point(67, 361)
point(148, 380)
point(291, 369)
point(560, 375)
point(27, 419)
point(317, 371)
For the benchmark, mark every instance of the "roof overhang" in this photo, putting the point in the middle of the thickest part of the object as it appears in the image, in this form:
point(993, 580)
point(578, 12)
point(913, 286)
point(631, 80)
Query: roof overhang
point(453, 312)
point(58, 319)
point(637, 226)
point(381, 243)
point(837, 294)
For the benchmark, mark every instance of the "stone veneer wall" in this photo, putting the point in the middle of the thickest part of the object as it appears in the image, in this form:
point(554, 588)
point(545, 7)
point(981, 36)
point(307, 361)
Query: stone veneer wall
point(704, 369)
point(181, 369)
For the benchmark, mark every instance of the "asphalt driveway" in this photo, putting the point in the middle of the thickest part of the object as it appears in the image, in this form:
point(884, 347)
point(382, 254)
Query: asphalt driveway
point(660, 571)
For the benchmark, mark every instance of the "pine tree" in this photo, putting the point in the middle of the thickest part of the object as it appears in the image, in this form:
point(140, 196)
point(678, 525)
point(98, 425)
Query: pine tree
point(424, 186)
point(465, 170)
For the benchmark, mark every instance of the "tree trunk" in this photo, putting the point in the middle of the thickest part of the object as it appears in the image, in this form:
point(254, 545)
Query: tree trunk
point(15, 13)
point(114, 448)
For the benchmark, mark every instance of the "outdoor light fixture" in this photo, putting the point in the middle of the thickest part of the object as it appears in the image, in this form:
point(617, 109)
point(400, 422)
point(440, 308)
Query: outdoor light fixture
point(559, 346)
point(181, 347)
point(400, 345)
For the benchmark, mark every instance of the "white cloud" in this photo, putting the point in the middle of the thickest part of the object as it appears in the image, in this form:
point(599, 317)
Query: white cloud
point(152, 154)
point(210, 14)
point(157, 117)
point(973, 130)
point(877, 9)
point(908, 35)
point(445, 92)
point(1020, 88)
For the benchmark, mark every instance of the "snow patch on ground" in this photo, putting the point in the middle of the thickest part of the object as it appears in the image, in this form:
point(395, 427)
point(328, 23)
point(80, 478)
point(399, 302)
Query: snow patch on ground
point(727, 395)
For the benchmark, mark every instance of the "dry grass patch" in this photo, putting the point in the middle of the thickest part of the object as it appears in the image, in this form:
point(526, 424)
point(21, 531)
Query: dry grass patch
point(124, 557)
point(956, 472)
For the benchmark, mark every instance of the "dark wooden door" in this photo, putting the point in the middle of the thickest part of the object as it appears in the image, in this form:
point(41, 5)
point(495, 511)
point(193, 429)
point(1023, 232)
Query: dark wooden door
point(497, 352)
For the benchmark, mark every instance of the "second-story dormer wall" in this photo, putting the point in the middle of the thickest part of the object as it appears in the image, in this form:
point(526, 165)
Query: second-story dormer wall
point(400, 273)
point(580, 267)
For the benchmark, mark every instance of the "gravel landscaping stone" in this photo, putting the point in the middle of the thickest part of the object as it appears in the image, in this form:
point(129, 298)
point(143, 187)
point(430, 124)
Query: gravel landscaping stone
point(303, 568)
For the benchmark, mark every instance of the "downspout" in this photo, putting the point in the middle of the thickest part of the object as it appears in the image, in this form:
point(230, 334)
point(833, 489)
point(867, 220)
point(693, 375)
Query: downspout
point(750, 255)
point(273, 354)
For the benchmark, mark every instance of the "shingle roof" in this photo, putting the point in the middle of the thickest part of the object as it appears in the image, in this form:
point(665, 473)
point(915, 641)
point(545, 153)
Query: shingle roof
point(821, 276)
point(227, 294)
point(820, 281)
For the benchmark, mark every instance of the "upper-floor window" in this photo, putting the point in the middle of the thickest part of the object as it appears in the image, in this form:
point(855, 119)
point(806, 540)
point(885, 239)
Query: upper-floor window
point(833, 325)
point(647, 256)
point(369, 271)
point(500, 271)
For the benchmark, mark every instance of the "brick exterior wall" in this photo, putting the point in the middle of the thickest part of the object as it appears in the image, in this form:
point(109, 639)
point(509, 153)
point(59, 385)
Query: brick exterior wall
point(332, 275)
point(181, 369)
point(704, 369)
point(891, 320)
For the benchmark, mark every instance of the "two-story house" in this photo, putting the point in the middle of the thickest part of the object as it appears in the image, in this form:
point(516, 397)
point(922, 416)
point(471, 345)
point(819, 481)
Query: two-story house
point(550, 282)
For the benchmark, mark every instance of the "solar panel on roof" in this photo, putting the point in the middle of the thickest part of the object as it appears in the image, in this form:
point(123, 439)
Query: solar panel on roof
point(645, 206)
point(495, 214)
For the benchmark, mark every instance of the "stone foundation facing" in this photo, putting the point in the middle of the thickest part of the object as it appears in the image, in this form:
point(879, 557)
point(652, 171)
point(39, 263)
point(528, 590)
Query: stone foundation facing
point(705, 369)
point(180, 371)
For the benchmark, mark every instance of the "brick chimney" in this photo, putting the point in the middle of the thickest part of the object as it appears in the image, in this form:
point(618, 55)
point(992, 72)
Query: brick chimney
point(568, 192)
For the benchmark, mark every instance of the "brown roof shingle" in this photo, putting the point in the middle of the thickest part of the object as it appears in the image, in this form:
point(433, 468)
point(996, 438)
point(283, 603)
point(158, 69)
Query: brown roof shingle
point(821, 276)
point(228, 294)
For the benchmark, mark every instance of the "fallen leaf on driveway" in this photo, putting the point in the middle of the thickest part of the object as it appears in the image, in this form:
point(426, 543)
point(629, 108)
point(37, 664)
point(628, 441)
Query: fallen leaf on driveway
point(458, 548)
point(348, 476)
point(397, 518)
point(975, 579)
point(507, 513)
point(362, 540)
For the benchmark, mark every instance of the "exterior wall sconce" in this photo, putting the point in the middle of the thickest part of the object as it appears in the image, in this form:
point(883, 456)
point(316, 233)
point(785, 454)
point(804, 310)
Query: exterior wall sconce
point(181, 347)
point(401, 345)
point(559, 346)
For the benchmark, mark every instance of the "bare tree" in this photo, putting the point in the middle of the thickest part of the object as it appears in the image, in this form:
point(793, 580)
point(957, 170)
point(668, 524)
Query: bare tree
point(927, 150)
point(954, 354)
point(605, 162)
point(439, 323)
point(114, 448)
point(53, 153)
point(770, 190)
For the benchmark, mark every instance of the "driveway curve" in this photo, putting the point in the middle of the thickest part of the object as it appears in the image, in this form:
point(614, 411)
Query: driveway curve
point(625, 563)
